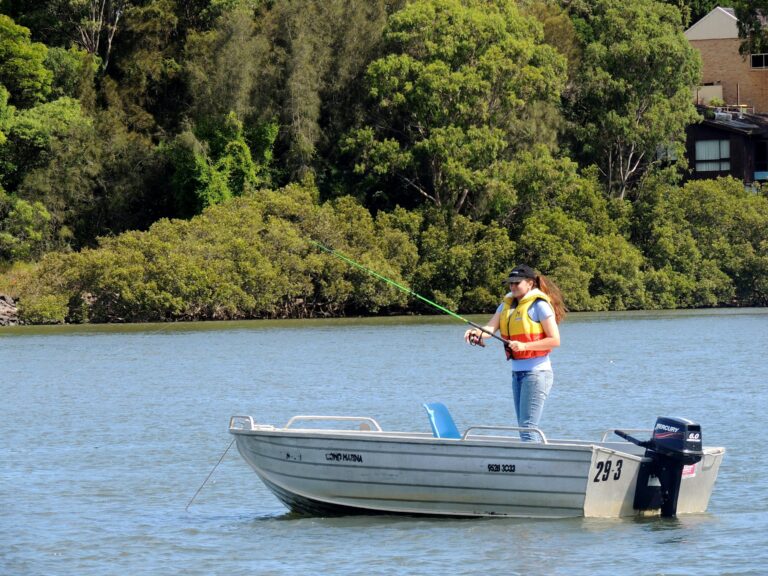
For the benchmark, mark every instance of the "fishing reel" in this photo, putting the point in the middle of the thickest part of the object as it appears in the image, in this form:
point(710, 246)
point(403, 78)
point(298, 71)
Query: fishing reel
point(476, 339)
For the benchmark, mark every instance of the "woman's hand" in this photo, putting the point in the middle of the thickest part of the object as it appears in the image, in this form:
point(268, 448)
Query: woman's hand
point(474, 338)
point(516, 346)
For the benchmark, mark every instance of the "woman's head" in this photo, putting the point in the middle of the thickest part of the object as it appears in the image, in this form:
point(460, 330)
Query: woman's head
point(522, 279)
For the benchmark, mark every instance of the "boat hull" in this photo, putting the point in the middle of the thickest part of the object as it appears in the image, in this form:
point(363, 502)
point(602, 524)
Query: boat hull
point(334, 472)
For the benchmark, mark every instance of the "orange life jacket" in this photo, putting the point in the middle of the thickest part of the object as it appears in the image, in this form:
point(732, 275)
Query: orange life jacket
point(515, 324)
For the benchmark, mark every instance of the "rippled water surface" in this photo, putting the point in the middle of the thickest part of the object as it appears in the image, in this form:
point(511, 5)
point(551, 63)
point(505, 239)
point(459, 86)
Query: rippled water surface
point(108, 432)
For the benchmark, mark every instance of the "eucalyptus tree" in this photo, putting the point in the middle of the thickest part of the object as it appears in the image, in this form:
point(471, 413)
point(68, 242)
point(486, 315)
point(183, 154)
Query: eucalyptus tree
point(459, 87)
point(632, 95)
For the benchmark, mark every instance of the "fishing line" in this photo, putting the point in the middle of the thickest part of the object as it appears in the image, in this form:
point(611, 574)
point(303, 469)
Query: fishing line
point(186, 508)
point(375, 274)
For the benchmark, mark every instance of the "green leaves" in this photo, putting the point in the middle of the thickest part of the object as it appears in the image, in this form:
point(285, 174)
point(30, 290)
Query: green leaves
point(751, 24)
point(447, 97)
point(444, 119)
point(22, 69)
point(248, 258)
point(24, 228)
point(705, 240)
point(632, 91)
point(212, 171)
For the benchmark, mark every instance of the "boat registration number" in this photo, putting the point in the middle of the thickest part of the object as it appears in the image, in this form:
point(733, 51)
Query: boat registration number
point(605, 471)
point(509, 468)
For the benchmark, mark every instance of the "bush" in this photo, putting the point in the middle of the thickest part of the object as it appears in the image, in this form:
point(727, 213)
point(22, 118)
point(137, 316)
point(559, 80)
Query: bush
point(44, 309)
point(248, 258)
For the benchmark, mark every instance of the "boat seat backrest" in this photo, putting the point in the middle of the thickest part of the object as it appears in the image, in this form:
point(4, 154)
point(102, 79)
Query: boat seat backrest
point(441, 421)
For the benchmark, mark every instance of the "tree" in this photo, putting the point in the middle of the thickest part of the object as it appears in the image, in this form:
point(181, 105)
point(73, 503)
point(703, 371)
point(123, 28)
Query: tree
point(22, 68)
point(559, 29)
point(751, 23)
point(52, 157)
point(224, 66)
point(96, 22)
point(24, 230)
point(450, 101)
point(316, 52)
point(29, 135)
point(693, 10)
point(632, 94)
point(6, 113)
point(212, 170)
point(74, 72)
point(706, 242)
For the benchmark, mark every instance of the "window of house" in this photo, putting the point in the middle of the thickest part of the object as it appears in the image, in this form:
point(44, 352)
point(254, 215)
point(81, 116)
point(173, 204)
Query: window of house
point(713, 156)
point(759, 60)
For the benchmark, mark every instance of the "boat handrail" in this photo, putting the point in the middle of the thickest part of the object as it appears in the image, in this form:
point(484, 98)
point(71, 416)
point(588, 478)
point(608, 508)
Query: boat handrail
point(611, 430)
point(331, 418)
point(507, 428)
point(241, 419)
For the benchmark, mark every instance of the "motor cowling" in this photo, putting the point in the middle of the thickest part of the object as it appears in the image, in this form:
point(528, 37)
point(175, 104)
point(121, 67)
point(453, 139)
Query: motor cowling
point(674, 444)
point(678, 439)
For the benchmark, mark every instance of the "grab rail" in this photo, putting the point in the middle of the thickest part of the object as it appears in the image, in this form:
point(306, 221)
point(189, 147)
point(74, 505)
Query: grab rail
point(611, 430)
point(342, 418)
point(510, 428)
point(240, 419)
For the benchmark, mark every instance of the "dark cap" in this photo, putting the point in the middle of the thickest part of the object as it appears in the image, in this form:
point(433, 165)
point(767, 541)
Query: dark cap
point(521, 272)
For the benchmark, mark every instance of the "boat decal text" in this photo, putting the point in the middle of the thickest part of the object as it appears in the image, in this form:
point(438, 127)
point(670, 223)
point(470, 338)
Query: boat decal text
point(604, 469)
point(667, 428)
point(509, 468)
point(343, 457)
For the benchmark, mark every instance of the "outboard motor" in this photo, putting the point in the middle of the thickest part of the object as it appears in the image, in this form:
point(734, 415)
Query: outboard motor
point(676, 443)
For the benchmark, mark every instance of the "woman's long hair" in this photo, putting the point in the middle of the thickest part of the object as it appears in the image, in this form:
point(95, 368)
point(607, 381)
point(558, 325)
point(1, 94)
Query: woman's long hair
point(550, 289)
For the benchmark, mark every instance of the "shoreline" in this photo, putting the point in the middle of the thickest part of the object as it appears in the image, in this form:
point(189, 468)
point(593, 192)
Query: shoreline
point(293, 323)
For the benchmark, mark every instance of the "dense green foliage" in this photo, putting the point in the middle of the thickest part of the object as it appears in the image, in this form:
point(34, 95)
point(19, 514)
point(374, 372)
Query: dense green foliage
point(751, 23)
point(164, 160)
point(693, 10)
point(251, 258)
point(451, 100)
point(622, 113)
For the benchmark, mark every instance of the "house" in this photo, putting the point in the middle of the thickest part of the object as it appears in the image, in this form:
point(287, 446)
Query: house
point(728, 143)
point(731, 139)
point(727, 75)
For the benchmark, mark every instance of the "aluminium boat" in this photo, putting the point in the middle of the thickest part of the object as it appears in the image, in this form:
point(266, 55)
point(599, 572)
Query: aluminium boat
point(354, 466)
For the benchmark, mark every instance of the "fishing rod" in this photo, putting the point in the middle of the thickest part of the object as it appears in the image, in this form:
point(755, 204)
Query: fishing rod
point(375, 274)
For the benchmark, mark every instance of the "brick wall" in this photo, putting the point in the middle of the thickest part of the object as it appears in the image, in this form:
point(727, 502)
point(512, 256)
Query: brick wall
point(723, 63)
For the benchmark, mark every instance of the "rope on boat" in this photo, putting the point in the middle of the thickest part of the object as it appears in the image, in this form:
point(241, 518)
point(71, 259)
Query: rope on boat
point(186, 508)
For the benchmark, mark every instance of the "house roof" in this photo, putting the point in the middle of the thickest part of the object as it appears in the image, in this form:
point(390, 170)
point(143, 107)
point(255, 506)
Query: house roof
point(747, 124)
point(720, 23)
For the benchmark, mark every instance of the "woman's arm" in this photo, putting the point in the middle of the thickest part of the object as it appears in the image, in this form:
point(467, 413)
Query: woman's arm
point(490, 328)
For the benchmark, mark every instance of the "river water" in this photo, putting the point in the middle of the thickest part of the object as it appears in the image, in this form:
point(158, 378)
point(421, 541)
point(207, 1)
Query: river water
point(107, 432)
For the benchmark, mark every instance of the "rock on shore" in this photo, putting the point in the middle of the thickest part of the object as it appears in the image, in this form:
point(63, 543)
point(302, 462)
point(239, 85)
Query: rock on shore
point(8, 313)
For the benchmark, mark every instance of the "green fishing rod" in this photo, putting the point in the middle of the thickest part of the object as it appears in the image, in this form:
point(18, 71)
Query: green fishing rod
point(375, 274)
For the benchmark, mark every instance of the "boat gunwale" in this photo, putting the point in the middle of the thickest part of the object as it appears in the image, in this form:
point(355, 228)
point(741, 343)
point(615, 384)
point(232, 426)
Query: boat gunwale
point(426, 438)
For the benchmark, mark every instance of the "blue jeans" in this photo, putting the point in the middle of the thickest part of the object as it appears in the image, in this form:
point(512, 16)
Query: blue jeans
point(530, 390)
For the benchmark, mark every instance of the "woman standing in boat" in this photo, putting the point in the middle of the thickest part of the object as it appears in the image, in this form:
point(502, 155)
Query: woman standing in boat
point(528, 319)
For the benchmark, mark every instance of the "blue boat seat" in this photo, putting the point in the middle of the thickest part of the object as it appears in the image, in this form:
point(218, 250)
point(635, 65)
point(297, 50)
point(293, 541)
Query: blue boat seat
point(441, 421)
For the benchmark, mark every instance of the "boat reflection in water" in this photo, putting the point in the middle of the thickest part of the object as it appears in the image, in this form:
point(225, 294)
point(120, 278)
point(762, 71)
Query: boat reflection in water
point(360, 468)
